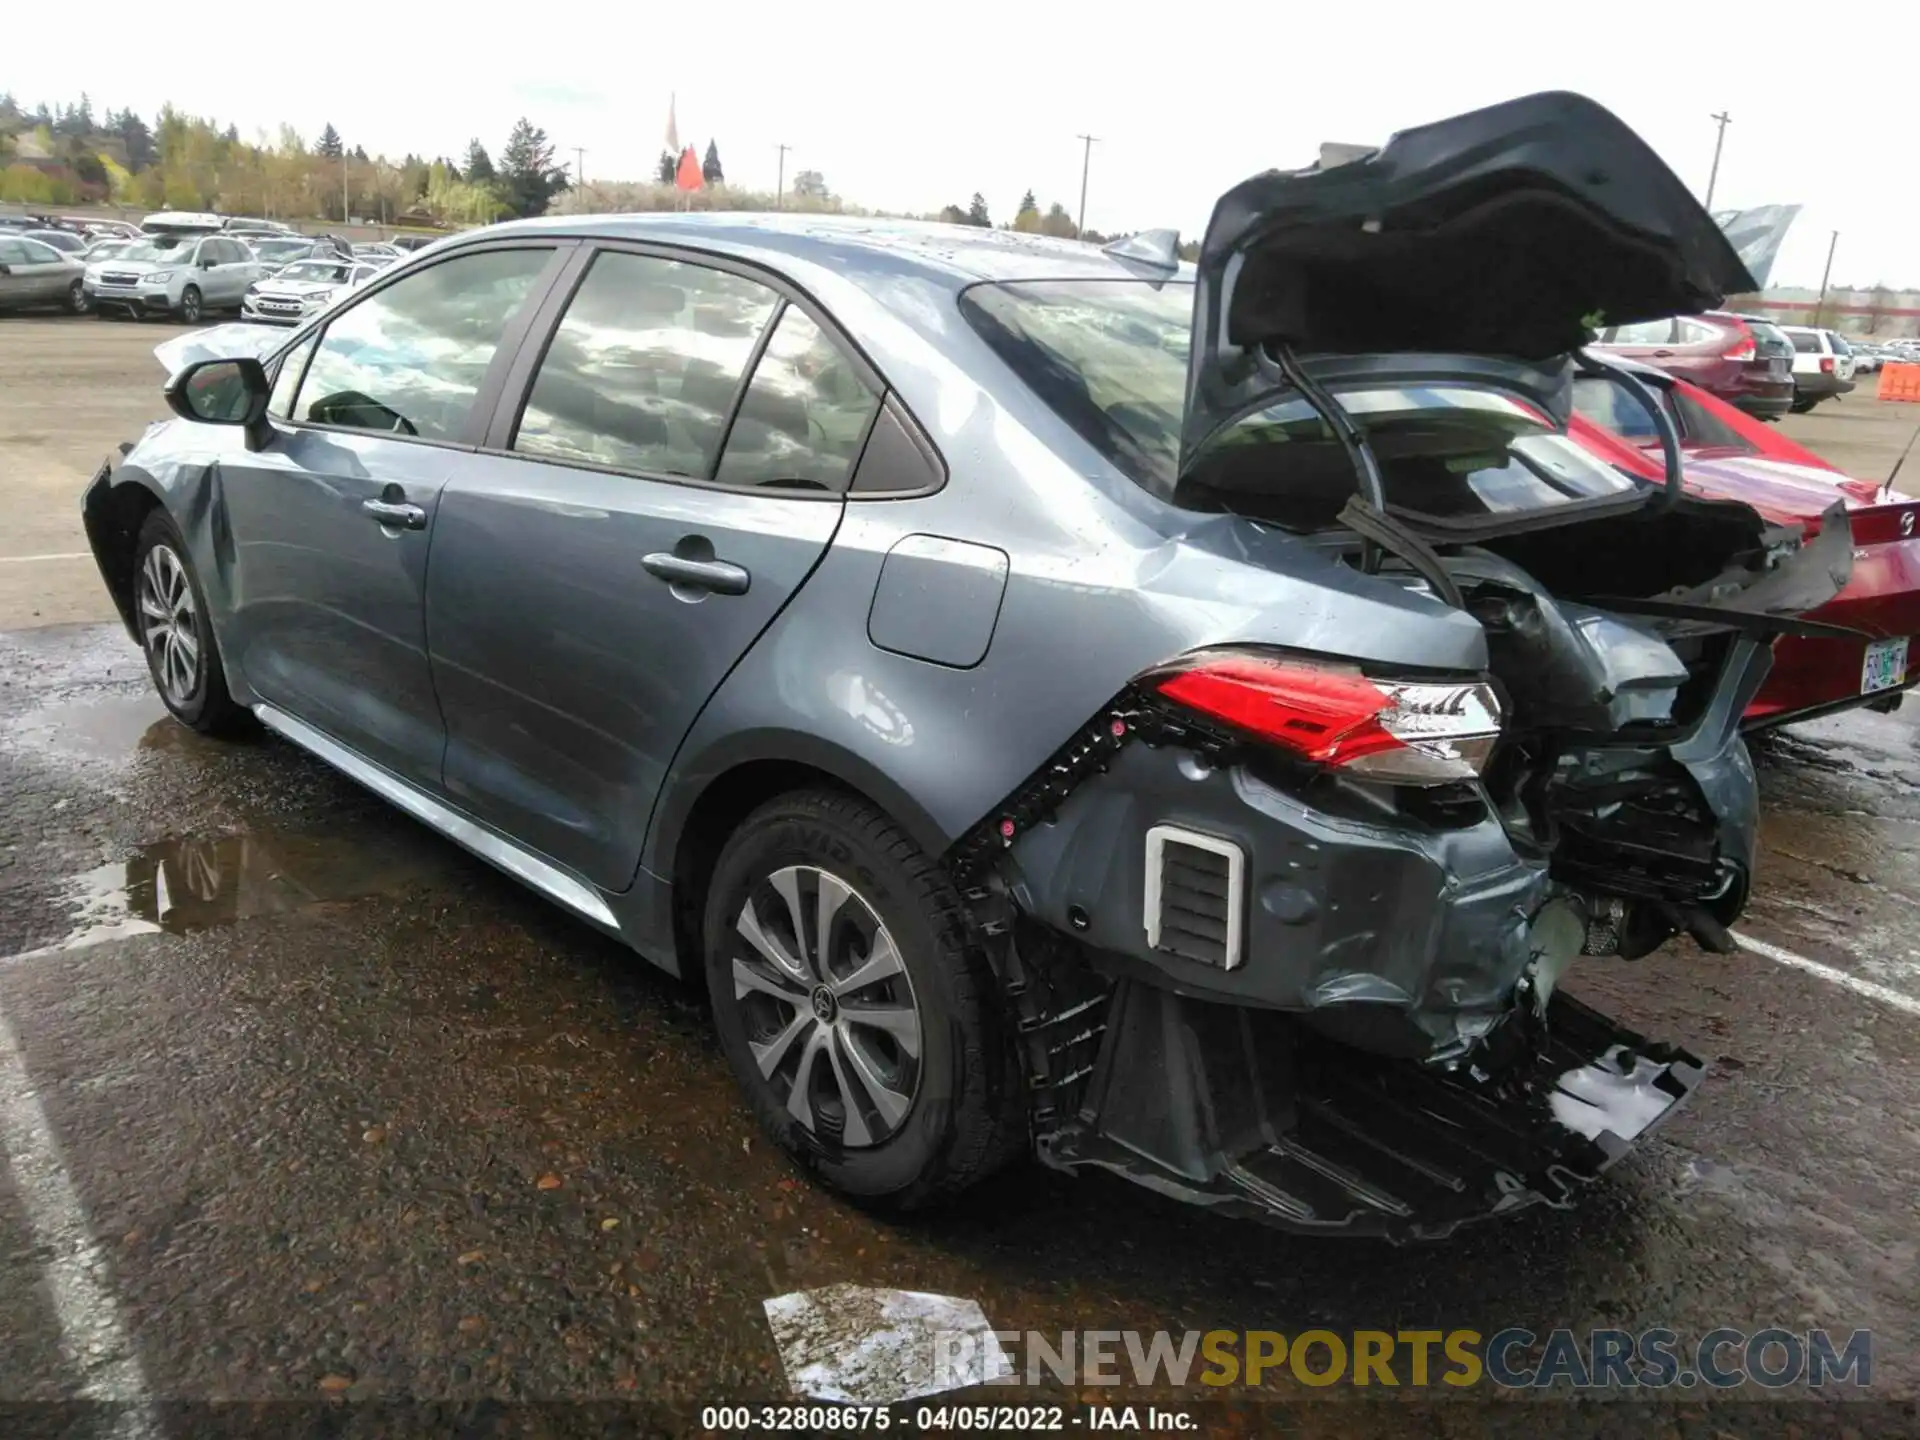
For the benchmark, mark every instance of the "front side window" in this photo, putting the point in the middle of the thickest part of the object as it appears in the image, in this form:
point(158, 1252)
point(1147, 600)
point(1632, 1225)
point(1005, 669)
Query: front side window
point(13, 252)
point(34, 253)
point(1110, 357)
point(410, 359)
point(286, 380)
point(805, 414)
point(642, 372)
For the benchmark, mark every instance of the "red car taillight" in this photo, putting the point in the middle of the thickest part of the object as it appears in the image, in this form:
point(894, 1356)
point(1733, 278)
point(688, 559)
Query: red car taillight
point(1742, 350)
point(1826, 364)
point(1402, 732)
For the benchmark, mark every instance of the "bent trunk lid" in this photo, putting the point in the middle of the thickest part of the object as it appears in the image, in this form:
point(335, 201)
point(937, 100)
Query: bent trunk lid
point(1507, 232)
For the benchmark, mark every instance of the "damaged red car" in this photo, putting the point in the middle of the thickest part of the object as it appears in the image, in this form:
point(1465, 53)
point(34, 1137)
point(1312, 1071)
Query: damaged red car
point(1866, 661)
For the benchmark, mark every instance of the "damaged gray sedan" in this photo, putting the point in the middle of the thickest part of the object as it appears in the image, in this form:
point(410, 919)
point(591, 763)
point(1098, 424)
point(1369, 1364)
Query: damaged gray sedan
point(1180, 720)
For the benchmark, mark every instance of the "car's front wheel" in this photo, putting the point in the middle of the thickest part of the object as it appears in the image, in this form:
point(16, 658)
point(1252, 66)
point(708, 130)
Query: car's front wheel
point(76, 298)
point(854, 1005)
point(191, 306)
point(170, 612)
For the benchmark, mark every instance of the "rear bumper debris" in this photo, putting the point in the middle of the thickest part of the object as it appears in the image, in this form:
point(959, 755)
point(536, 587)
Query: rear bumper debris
point(1252, 1114)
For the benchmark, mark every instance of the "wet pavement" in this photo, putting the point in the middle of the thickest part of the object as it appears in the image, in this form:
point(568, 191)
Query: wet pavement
point(345, 1114)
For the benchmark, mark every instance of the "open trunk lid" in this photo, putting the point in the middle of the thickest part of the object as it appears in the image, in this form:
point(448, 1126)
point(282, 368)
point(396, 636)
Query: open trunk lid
point(1508, 232)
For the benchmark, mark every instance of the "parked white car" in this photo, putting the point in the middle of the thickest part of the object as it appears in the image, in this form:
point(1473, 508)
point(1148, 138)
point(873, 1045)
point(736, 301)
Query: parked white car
point(1822, 366)
point(303, 289)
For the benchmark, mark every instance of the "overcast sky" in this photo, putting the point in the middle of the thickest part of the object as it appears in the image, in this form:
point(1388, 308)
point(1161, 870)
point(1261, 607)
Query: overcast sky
point(909, 107)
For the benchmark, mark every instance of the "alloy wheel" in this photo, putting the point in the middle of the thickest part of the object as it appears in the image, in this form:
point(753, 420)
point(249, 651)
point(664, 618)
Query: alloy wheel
point(77, 298)
point(168, 625)
point(190, 305)
point(830, 1013)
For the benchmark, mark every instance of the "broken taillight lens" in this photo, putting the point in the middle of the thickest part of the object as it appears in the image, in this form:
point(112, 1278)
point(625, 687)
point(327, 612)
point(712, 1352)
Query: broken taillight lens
point(1403, 732)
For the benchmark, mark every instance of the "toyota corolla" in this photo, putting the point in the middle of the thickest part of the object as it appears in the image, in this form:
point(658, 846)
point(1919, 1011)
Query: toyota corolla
point(1183, 720)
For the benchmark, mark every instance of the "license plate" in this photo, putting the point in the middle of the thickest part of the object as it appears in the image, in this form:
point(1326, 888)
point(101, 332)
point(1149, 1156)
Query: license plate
point(1885, 667)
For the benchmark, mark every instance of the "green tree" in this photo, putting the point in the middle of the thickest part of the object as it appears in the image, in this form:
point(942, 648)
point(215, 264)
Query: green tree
point(977, 211)
point(135, 137)
point(811, 185)
point(710, 170)
point(479, 167)
point(1058, 223)
point(330, 146)
point(1027, 218)
point(527, 172)
point(669, 163)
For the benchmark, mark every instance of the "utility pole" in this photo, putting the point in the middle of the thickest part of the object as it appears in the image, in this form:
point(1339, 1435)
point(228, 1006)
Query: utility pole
point(1723, 120)
point(1819, 309)
point(780, 176)
point(579, 167)
point(1086, 163)
point(346, 184)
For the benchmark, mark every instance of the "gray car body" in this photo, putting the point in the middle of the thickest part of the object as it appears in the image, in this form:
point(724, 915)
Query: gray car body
point(930, 645)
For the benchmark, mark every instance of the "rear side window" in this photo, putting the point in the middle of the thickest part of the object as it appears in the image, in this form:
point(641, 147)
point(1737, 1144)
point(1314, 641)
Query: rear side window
point(1608, 404)
point(411, 358)
point(1805, 343)
point(805, 415)
point(1839, 344)
point(644, 367)
point(1647, 332)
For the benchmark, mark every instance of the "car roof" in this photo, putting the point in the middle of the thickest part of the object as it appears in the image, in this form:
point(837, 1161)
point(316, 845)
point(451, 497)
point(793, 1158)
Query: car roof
point(861, 246)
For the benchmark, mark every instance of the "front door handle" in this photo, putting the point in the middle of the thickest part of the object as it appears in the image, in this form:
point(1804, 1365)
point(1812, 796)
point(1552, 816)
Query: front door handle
point(719, 576)
point(400, 516)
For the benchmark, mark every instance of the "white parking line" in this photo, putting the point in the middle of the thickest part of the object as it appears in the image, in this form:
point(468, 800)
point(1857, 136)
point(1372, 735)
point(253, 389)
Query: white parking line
point(30, 559)
point(1885, 994)
point(91, 1332)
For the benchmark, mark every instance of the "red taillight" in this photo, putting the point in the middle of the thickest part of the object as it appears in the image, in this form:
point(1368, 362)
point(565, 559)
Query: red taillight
point(1826, 364)
point(1404, 732)
point(1742, 350)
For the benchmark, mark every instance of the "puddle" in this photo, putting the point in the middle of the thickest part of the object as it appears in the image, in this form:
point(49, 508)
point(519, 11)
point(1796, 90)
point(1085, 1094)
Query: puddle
point(111, 728)
point(183, 885)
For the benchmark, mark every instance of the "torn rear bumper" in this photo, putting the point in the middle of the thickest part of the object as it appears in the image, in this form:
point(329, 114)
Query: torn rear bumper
point(1251, 1113)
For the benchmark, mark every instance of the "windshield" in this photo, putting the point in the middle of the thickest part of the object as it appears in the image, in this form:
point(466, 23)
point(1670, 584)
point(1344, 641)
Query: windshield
point(317, 270)
point(1110, 357)
point(275, 249)
point(161, 247)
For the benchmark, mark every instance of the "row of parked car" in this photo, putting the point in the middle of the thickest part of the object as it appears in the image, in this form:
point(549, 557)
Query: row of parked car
point(1762, 368)
point(182, 265)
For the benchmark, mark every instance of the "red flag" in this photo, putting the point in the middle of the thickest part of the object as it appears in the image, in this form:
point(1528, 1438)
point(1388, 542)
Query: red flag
point(688, 176)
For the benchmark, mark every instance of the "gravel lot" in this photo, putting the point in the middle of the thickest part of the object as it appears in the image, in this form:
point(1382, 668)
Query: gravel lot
point(357, 1118)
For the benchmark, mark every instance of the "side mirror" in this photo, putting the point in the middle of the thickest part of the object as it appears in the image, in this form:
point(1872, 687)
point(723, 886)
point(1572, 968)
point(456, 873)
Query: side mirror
point(6, 269)
point(224, 392)
point(207, 262)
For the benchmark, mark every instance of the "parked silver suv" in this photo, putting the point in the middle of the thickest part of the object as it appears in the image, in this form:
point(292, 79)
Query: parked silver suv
point(183, 275)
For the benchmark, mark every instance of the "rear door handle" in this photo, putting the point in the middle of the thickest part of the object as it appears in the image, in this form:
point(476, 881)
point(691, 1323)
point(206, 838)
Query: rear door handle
point(395, 513)
point(719, 576)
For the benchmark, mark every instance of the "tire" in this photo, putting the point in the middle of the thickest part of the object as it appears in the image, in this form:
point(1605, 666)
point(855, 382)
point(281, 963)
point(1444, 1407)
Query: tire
point(176, 636)
point(1801, 407)
point(937, 1121)
point(77, 299)
point(192, 307)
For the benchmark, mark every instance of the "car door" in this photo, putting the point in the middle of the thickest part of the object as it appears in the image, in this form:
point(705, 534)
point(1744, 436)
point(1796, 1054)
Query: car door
point(1650, 340)
point(667, 467)
point(235, 269)
point(39, 272)
point(331, 520)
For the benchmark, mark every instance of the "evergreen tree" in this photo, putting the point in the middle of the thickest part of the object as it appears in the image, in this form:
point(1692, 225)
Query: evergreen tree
point(330, 145)
point(479, 167)
point(710, 171)
point(527, 171)
point(977, 211)
point(669, 163)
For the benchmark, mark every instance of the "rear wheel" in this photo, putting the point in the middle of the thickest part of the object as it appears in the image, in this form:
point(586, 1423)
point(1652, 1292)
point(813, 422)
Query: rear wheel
point(170, 612)
point(853, 1005)
point(1801, 407)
